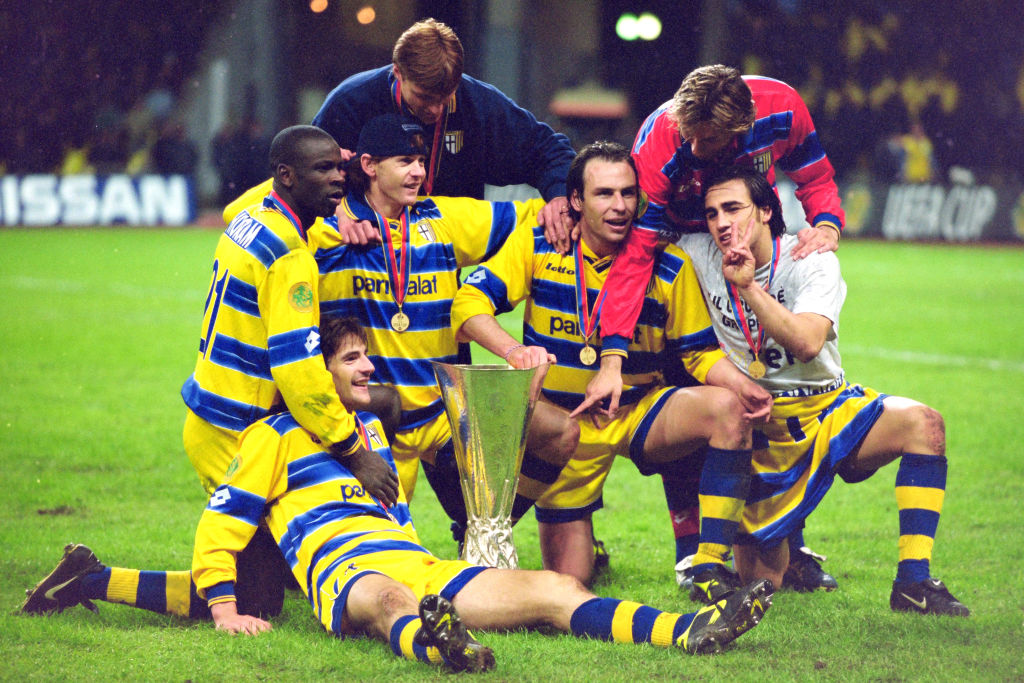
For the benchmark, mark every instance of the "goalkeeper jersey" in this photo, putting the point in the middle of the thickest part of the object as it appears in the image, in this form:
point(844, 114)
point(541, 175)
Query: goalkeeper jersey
point(443, 235)
point(673, 317)
point(260, 336)
point(783, 137)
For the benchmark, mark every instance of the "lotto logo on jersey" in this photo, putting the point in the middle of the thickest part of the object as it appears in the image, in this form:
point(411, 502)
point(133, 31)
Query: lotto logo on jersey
point(220, 497)
point(453, 141)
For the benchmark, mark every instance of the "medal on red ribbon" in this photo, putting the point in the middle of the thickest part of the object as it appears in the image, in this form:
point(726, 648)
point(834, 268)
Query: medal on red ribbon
point(587, 317)
point(397, 267)
point(756, 369)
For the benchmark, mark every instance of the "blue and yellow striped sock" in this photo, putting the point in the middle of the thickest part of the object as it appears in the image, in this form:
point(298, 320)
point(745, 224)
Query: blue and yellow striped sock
point(724, 484)
point(161, 592)
point(535, 477)
point(622, 621)
point(403, 633)
point(920, 490)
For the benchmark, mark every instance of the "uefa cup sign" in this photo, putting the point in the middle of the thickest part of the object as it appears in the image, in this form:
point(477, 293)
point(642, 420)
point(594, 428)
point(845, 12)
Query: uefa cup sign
point(489, 408)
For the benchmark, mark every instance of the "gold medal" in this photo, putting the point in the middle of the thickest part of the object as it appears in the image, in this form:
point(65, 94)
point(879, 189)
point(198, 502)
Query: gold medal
point(400, 322)
point(756, 369)
point(588, 355)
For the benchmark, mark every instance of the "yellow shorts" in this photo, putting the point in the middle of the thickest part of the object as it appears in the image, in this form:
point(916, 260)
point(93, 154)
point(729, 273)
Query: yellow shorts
point(797, 455)
point(577, 491)
point(419, 443)
point(210, 449)
point(423, 573)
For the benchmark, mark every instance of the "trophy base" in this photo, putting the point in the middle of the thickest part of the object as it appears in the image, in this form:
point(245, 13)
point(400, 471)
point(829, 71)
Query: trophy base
point(489, 543)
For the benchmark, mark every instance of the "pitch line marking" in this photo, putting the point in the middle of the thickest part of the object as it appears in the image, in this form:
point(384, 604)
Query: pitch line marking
point(922, 358)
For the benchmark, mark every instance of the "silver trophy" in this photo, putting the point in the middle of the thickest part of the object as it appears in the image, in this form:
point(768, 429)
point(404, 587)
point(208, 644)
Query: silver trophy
point(489, 408)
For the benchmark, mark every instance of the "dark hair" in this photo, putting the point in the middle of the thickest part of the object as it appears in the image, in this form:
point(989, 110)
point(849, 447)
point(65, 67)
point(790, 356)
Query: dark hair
point(357, 183)
point(602, 149)
point(334, 331)
point(762, 195)
point(430, 55)
point(287, 146)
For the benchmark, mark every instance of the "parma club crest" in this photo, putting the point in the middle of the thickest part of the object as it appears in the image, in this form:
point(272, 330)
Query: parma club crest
point(453, 141)
point(763, 161)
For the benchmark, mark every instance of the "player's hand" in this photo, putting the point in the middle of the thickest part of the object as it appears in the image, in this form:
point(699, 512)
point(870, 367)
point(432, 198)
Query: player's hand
point(356, 232)
point(226, 618)
point(738, 266)
point(606, 384)
point(560, 230)
point(756, 400)
point(374, 473)
point(526, 357)
point(347, 155)
point(818, 239)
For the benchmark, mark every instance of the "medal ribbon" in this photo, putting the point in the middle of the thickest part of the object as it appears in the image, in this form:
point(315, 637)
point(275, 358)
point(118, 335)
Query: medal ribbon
point(588, 318)
point(275, 201)
point(397, 271)
point(737, 303)
point(439, 126)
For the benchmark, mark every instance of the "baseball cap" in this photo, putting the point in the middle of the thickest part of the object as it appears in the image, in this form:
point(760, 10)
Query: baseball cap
point(391, 135)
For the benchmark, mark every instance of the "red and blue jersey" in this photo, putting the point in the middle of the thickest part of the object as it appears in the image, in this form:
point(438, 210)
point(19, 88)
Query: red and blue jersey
point(782, 136)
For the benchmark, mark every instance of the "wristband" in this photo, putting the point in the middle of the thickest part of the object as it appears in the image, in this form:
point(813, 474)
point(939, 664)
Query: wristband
point(509, 352)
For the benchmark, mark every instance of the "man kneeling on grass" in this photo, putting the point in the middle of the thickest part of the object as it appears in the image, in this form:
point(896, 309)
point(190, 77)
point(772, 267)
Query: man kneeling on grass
point(361, 564)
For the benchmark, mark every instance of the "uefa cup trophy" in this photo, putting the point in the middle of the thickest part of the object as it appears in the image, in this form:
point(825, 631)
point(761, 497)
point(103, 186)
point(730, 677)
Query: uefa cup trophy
point(489, 408)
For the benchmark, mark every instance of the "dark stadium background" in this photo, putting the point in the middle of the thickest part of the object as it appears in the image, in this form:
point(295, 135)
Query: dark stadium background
point(77, 73)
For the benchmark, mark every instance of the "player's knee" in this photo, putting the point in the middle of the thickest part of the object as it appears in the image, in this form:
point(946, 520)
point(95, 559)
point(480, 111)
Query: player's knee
point(565, 445)
point(932, 429)
point(395, 599)
point(555, 583)
point(728, 424)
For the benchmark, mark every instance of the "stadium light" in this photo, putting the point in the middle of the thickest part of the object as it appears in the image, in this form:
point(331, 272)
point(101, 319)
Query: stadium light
point(366, 15)
point(317, 6)
point(631, 27)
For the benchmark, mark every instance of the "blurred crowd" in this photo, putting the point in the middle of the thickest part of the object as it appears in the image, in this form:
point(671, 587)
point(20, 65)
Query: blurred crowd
point(901, 91)
point(898, 91)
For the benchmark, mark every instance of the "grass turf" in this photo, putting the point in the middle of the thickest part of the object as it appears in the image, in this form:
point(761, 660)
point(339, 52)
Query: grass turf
point(99, 328)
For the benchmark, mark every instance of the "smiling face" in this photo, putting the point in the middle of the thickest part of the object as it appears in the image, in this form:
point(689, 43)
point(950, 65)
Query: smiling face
point(351, 369)
point(608, 204)
point(394, 181)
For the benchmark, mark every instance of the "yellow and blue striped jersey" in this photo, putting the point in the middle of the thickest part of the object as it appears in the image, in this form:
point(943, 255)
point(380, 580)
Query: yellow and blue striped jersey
point(444, 235)
point(673, 317)
point(260, 336)
point(313, 506)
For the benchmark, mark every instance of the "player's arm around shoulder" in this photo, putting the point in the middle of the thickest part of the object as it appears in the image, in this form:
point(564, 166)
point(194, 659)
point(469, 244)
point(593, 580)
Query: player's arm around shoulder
point(477, 228)
point(290, 308)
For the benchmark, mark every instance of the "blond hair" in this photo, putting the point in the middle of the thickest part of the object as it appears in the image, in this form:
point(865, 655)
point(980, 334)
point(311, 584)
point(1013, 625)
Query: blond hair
point(714, 94)
point(430, 55)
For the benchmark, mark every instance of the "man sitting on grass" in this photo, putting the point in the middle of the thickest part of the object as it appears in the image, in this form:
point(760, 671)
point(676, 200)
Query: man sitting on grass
point(361, 563)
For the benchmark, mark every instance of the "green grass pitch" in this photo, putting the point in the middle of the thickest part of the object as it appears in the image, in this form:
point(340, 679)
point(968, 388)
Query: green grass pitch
point(98, 329)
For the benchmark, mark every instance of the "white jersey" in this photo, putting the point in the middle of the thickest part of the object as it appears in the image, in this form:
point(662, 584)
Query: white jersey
point(811, 285)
